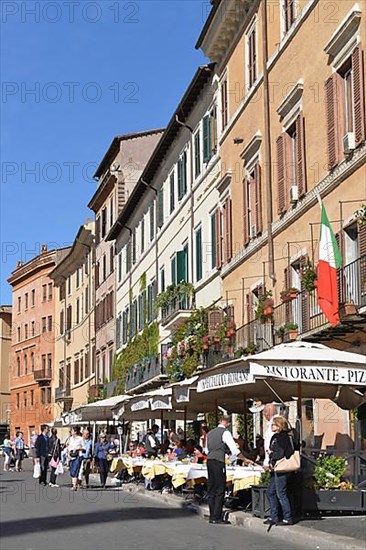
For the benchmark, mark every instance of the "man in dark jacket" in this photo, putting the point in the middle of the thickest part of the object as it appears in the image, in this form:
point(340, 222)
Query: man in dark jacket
point(42, 450)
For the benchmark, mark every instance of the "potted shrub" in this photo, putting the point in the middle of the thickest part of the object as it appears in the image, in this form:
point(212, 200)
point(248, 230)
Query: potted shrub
point(329, 491)
point(260, 504)
point(264, 310)
point(291, 330)
point(205, 342)
point(289, 294)
point(361, 215)
point(308, 276)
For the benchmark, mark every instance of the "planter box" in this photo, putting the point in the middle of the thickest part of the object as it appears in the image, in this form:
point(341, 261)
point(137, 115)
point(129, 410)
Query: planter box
point(347, 309)
point(260, 504)
point(333, 500)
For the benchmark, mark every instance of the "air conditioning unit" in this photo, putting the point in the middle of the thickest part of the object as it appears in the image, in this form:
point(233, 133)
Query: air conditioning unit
point(349, 143)
point(294, 193)
point(253, 231)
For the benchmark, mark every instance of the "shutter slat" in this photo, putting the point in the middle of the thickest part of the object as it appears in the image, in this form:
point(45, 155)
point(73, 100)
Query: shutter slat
point(362, 240)
point(300, 155)
point(258, 198)
point(358, 95)
point(281, 174)
point(333, 137)
point(245, 211)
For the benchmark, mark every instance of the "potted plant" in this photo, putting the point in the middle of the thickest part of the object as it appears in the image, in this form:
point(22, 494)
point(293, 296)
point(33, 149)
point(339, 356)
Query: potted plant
point(250, 349)
point(205, 342)
point(308, 276)
point(347, 309)
point(361, 215)
point(328, 491)
point(265, 307)
point(289, 294)
point(291, 330)
point(260, 504)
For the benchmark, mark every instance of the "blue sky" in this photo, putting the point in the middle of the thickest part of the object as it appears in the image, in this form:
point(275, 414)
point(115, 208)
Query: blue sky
point(74, 75)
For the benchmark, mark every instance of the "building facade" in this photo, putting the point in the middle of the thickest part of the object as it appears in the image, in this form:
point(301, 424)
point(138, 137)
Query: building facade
point(292, 97)
point(117, 175)
point(74, 378)
point(166, 236)
point(33, 342)
point(5, 358)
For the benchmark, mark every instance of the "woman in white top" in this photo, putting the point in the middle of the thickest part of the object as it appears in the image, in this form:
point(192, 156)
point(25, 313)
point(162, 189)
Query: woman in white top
point(75, 449)
point(8, 451)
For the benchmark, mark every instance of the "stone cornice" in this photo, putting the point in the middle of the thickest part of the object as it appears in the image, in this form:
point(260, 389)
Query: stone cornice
point(326, 186)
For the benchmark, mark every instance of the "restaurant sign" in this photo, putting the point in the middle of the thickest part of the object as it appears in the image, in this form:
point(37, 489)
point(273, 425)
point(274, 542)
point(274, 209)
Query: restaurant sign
point(140, 405)
point(159, 403)
point(312, 374)
point(224, 379)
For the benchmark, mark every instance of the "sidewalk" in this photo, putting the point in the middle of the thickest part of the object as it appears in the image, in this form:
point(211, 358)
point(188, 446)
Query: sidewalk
point(325, 533)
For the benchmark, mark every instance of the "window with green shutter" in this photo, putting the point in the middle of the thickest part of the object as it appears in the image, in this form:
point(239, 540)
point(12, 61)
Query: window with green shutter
point(213, 240)
point(152, 222)
point(207, 145)
point(199, 254)
point(161, 208)
point(197, 154)
point(128, 257)
point(142, 235)
point(173, 270)
point(182, 265)
point(162, 280)
point(182, 175)
point(172, 192)
point(184, 172)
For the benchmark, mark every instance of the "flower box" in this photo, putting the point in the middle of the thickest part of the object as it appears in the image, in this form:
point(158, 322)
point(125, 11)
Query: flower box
point(260, 503)
point(333, 500)
point(347, 309)
point(268, 311)
point(289, 295)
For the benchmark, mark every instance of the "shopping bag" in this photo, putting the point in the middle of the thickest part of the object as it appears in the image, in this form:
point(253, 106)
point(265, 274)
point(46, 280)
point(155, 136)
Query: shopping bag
point(59, 469)
point(37, 470)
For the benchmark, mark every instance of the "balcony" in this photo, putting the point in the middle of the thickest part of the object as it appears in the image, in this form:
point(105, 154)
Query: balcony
point(145, 375)
point(176, 311)
point(43, 375)
point(63, 394)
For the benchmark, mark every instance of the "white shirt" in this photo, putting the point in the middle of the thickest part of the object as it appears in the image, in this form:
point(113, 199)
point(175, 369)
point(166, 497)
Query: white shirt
point(152, 441)
point(75, 442)
point(268, 434)
point(229, 441)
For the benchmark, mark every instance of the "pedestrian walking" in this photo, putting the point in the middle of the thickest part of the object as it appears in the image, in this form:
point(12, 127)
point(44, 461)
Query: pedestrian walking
point(42, 450)
point(281, 446)
point(87, 456)
point(19, 451)
point(101, 451)
point(75, 449)
point(8, 453)
point(219, 443)
point(54, 456)
point(32, 445)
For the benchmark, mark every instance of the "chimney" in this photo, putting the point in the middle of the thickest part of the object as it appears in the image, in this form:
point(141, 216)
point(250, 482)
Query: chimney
point(43, 248)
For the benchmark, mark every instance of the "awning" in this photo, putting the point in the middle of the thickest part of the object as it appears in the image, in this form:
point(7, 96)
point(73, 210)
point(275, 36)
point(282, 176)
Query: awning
point(99, 410)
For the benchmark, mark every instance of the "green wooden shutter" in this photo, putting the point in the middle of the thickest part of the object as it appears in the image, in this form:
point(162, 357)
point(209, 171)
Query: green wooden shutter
point(172, 193)
point(213, 240)
point(180, 179)
point(184, 172)
point(199, 254)
point(197, 154)
point(207, 148)
point(181, 266)
point(173, 270)
point(161, 208)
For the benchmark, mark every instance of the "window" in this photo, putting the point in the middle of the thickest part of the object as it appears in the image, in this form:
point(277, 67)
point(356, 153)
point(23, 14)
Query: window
point(18, 334)
point(97, 230)
point(44, 293)
point(151, 293)
point(49, 362)
point(209, 135)
point(77, 311)
point(251, 55)
point(120, 267)
point(213, 240)
point(161, 208)
point(78, 277)
point(62, 321)
point(81, 368)
point(43, 396)
point(162, 279)
point(86, 301)
point(32, 398)
point(224, 105)
point(25, 364)
point(289, 13)
point(87, 370)
point(33, 297)
point(49, 323)
point(125, 326)
point(197, 154)
point(141, 308)
point(32, 361)
point(25, 399)
point(227, 230)
point(104, 222)
point(111, 212)
point(133, 321)
point(86, 265)
point(142, 235)
point(182, 175)
point(152, 222)
point(128, 257)
point(97, 274)
point(44, 324)
point(44, 362)
point(69, 285)
point(26, 300)
point(345, 111)
point(69, 318)
point(173, 270)
point(133, 238)
point(76, 371)
point(18, 366)
point(49, 395)
point(199, 254)
point(172, 192)
point(104, 267)
point(179, 266)
point(50, 291)
point(252, 204)
point(26, 331)
point(19, 304)
point(18, 400)
point(33, 325)
point(111, 259)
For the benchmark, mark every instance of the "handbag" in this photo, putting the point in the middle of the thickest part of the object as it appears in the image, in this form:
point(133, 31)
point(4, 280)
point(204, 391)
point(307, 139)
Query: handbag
point(291, 464)
point(54, 463)
point(37, 470)
point(74, 454)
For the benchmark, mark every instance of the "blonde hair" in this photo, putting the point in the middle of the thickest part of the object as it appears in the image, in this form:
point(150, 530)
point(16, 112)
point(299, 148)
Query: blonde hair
point(281, 423)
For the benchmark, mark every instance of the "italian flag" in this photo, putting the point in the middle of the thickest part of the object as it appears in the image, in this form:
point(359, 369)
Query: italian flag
point(329, 261)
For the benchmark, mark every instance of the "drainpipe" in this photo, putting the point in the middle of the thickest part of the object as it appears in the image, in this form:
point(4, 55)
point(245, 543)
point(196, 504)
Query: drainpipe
point(267, 140)
point(191, 197)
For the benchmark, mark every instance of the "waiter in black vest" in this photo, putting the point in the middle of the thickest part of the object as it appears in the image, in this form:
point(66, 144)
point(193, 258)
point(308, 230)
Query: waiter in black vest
point(219, 442)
